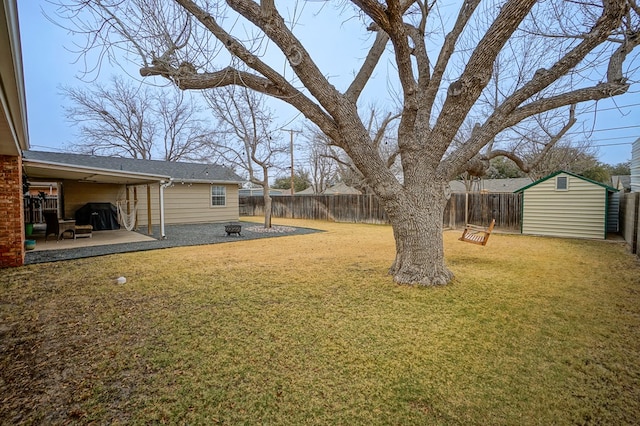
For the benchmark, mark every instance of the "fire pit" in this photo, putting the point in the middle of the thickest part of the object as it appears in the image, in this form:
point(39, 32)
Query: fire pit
point(233, 229)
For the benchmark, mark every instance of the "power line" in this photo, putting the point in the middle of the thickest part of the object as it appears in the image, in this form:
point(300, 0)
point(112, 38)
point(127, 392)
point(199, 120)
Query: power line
point(611, 108)
point(605, 130)
point(614, 139)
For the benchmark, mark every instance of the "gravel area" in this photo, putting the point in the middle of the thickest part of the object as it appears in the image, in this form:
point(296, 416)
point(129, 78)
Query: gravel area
point(176, 236)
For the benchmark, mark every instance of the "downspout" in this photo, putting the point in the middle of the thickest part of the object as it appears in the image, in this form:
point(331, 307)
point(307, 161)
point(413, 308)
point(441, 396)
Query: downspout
point(163, 185)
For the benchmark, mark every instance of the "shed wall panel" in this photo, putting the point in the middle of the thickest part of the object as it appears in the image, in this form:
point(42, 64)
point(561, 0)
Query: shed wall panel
point(578, 212)
point(613, 216)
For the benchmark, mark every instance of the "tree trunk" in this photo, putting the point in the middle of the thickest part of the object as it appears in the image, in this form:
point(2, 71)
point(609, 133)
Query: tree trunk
point(417, 228)
point(267, 208)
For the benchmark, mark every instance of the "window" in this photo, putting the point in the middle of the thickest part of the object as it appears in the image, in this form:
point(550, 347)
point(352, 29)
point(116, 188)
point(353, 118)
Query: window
point(561, 183)
point(218, 196)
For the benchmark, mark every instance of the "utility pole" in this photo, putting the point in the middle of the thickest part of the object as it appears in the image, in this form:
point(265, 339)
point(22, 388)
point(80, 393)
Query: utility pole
point(291, 131)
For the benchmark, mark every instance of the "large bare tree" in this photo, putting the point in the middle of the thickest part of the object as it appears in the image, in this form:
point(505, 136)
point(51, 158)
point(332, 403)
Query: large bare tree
point(577, 51)
point(125, 119)
point(246, 136)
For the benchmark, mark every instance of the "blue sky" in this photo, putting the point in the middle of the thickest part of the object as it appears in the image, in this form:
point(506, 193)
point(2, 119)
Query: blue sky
point(48, 64)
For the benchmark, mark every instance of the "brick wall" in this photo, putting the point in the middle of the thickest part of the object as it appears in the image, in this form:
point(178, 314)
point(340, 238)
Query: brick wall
point(11, 214)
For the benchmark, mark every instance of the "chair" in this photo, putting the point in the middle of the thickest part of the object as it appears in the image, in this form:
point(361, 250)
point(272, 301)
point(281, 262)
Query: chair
point(56, 226)
point(477, 235)
point(53, 226)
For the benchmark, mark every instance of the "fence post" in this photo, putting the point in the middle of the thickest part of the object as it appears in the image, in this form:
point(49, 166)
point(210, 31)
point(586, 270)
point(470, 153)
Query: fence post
point(635, 222)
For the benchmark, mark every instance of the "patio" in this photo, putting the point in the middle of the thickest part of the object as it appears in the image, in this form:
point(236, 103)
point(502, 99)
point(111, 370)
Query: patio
point(122, 241)
point(98, 238)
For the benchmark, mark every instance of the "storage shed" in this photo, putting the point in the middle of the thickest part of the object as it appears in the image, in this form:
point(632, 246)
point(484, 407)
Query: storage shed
point(564, 204)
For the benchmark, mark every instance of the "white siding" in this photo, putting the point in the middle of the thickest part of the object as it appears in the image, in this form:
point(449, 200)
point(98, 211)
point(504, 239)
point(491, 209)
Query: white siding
point(635, 166)
point(579, 212)
point(184, 203)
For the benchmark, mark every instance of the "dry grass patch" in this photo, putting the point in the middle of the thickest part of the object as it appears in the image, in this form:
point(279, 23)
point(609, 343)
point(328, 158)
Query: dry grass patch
point(310, 330)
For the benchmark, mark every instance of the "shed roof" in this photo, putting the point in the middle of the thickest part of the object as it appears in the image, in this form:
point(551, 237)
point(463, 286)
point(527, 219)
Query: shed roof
point(552, 175)
point(153, 169)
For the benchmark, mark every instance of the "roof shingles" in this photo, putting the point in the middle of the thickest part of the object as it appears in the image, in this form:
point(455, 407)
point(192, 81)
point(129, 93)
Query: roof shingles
point(178, 171)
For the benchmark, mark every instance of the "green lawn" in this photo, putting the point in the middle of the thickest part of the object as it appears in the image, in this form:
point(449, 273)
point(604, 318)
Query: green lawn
point(311, 330)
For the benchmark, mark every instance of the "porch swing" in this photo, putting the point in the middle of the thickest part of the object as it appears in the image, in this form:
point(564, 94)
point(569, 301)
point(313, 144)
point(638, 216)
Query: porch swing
point(475, 234)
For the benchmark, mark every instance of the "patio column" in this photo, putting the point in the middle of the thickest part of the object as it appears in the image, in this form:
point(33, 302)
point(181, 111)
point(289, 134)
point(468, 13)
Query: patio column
point(11, 211)
point(163, 186)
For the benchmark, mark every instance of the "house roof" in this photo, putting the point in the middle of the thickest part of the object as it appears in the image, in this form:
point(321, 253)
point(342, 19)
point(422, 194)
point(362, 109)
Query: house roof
point(552, 175)
point(621, 182)
point(493, 185)
point(93, 168)
point(340, 189)
point(13, 110)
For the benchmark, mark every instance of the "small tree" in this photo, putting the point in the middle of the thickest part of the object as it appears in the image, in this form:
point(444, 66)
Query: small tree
point(620, 169)
point(245, 136)
point(301, 181)
point(124, 120)
point(565, 156)
point(324, 168)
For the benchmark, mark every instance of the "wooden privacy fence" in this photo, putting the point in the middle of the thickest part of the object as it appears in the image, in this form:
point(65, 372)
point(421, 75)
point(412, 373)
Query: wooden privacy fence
point(479, 208)
point(630, 221)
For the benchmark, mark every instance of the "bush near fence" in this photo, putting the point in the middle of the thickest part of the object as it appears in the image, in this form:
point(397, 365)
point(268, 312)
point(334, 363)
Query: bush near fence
point(479, 208)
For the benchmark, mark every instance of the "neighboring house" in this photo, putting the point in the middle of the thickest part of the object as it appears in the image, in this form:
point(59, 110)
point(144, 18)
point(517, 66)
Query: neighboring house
point(621, 183)
point(340, 188)
point(564, 204)
point(491, 185)
point(13, 137)
point(635, 166)
point(163, 192)
point(258, 192)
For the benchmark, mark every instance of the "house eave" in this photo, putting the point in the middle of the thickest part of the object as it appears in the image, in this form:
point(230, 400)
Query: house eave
point(13, 118)
point(36, 169)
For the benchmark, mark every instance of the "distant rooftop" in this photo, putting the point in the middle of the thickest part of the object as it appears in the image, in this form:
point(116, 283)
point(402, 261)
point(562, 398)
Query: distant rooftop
point(492, 185)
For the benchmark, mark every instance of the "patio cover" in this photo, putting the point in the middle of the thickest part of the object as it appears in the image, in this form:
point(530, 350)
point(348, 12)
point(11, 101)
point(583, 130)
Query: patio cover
point(39, 169)
point(53, 166)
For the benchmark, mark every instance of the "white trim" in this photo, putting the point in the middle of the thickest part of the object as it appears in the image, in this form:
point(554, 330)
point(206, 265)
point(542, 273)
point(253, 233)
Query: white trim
point(17, 120)
point(99, 171)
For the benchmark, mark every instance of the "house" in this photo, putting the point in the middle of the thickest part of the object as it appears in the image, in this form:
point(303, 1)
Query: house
point(259, 192)
point(13, 137)
point(564, 204)
point(622, 183)
point(491, 185)
point(157, 192)
point(635, 166)
point(340, 188)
